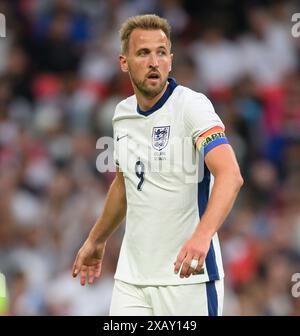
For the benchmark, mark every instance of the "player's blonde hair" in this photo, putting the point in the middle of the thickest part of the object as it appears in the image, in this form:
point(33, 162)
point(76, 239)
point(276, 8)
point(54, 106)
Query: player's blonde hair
point(147, 22)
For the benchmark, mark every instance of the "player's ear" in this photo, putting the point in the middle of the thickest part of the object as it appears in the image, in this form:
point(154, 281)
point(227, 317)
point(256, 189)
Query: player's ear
point(123, 63)
point(170, 69)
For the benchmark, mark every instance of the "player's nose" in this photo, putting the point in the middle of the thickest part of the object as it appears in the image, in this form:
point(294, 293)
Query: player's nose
point(153, 61)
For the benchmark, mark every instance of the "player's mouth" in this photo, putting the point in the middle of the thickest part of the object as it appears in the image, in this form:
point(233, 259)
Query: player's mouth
point(153, 76)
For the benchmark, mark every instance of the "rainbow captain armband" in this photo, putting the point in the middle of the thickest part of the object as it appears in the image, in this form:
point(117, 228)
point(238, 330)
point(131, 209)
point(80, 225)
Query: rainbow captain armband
point(211, 139)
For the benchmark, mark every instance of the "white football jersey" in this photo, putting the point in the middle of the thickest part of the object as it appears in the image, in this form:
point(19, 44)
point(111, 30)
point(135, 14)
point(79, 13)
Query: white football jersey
point(166, 190)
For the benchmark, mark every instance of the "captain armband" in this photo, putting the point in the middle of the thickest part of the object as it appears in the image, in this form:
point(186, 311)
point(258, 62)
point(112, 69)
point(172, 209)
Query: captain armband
point(211, 139)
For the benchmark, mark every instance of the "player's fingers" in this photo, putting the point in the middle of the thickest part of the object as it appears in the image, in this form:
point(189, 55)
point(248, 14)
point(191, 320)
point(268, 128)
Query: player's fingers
point(185, 267)
point(91, 274)
point(76, 266)
point(199, 268)
point(83, 274)
point(189, 272)
point(74, 269)
point(98, 270)
point(179, 261)
point(194, 269)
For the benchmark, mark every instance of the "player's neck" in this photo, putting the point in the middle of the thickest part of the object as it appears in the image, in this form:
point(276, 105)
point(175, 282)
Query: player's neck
point(145, 103)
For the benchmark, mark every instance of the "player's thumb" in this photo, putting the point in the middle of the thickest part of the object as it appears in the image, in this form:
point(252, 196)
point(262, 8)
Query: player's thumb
point(76, 266)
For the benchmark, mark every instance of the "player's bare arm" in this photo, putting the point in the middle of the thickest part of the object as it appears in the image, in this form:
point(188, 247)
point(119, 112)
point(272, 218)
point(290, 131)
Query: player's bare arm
point(222, 163)
point(89, 258)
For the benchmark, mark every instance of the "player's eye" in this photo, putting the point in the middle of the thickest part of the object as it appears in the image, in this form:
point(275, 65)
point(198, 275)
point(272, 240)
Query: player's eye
point(143, 52)
point(162, 53)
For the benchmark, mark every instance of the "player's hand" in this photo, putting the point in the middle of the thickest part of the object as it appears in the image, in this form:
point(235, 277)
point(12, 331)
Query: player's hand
point(195, 248)
point(88, 262)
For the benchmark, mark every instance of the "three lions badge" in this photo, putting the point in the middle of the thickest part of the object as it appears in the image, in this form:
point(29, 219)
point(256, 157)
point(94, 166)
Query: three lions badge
point(160, 137)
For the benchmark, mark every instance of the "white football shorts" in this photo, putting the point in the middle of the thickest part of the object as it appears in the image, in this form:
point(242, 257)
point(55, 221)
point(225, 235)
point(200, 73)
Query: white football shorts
point(202, 299)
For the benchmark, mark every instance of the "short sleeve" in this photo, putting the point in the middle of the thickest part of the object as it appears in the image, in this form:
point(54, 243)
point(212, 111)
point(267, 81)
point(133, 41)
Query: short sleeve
point(202, 123)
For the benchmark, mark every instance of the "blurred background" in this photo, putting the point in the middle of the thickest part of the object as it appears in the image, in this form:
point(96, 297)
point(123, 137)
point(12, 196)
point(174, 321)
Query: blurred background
point(59, 84)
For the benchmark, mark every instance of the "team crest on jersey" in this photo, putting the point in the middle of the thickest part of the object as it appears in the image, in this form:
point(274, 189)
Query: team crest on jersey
point(160, 137)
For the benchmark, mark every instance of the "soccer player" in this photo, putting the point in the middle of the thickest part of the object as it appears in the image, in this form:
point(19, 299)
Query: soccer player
point(170, 261)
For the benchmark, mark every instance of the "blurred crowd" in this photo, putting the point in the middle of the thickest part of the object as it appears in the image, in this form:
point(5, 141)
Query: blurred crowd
point(59, 84)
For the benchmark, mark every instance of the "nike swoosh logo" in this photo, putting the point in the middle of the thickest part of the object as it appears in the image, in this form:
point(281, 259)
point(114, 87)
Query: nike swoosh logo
point(123, 136)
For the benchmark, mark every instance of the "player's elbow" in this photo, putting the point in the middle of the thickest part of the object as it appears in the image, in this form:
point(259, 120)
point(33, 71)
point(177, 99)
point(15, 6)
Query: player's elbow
point(233, 178)
point(237, 179)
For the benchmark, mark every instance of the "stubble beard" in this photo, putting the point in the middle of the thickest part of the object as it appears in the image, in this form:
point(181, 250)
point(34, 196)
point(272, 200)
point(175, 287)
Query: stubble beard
point(145, 90)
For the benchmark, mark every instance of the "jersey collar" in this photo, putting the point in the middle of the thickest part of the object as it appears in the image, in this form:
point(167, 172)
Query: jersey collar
point(169, 90)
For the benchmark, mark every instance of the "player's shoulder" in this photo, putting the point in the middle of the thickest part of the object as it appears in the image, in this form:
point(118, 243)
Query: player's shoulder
point(125, 107)
point(190, 94)
point(190, 97)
